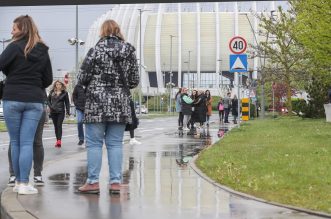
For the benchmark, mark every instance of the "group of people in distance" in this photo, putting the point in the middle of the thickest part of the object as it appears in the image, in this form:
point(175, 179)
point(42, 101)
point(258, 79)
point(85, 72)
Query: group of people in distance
point(227, 105)
point(105, 109)
point(196, 108)
point(193, 108)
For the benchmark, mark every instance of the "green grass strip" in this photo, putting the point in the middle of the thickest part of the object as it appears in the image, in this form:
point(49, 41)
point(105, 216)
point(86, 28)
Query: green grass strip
point(285, 160)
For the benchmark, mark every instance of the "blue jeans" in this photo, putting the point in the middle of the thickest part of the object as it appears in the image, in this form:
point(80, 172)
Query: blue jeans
point(80, 117)
point(22, 119)
point(112, 133)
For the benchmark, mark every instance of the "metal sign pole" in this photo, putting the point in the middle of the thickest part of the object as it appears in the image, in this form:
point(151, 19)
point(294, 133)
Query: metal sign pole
point(239, 75)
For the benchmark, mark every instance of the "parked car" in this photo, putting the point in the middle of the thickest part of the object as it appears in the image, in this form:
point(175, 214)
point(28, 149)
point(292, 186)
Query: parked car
point(143, 108)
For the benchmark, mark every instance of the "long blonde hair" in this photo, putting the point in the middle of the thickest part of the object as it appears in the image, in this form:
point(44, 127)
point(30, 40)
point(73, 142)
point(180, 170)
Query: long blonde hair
point(28, 30)
point(110, 27)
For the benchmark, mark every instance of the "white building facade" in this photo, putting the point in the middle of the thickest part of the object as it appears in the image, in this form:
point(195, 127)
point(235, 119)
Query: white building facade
point(186, 44)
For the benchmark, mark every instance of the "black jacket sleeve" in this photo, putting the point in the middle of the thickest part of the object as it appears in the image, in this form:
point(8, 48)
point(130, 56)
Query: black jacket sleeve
point(7, 56)
point(67, 103)
point(75, 95)
point(47, 77)
point(49, 99)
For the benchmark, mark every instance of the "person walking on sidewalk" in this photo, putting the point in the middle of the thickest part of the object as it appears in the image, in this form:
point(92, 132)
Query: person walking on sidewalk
point(107, 108)
point(209, 101)
point(220, 108)
point(28, 70)
point(131, 127)
point(78, 97)
point(234, 107)
point(179, 109)
point(186, 106)
point(38, 155)
point(227, 107)
point(58, 100)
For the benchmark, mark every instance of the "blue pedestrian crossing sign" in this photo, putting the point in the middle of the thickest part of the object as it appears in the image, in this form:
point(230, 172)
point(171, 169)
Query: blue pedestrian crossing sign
point(238, 63)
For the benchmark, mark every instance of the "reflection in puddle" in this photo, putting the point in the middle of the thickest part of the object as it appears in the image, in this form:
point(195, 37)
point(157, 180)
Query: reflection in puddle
point(61, 179)
point(221, 131)
point(80, 175)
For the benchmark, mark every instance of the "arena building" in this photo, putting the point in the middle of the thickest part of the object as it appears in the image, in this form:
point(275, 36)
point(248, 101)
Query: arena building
point(186, 44)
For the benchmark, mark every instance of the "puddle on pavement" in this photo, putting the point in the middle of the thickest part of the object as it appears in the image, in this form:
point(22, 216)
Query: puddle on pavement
point(156, 178)
point(182, 154)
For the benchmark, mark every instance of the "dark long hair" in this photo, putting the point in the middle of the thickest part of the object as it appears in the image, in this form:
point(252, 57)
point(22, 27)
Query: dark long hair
point(179, 92)
point(207, 93)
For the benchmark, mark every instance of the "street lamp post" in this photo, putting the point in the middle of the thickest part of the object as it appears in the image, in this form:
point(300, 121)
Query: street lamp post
point(262, 83)
point(140, 58)
point(170, 83)
point(260, 59)
point(189, 62)
point(77, 42)
point(164, 82)
point(188, 74)
point(220, 69)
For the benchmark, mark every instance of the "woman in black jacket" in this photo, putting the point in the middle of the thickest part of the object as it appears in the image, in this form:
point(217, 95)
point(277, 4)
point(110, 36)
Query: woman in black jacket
point(59, 105)
point(234, 107)
point(28, 70)
point(78, 97)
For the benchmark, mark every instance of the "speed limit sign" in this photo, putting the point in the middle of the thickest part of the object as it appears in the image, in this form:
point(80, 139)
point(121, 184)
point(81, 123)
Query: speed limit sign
point(238, 45)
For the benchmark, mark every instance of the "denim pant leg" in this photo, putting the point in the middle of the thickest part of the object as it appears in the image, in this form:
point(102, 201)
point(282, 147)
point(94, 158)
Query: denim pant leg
point(22, 120)
point(58, 121)
point(114, 144)
point(11, 170)
point(80, 117)
point(95, 133)
point(38, 147)
point(187, 120)
point(226, 116)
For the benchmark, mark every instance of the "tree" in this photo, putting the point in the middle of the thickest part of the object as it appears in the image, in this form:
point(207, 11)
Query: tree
point(283, 56)
point(313, 29)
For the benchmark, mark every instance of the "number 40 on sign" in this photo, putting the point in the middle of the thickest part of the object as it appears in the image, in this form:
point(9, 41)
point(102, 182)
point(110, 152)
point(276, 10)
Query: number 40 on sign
point(238, 45)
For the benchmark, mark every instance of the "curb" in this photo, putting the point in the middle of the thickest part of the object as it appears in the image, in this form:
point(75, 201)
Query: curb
point(247, 196)
point(11, 207)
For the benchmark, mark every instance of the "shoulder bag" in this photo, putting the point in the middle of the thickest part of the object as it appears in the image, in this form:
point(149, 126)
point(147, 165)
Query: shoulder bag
point(135, 119)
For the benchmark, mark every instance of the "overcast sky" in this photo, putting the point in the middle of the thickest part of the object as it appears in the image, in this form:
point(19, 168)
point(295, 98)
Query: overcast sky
point(58, 23)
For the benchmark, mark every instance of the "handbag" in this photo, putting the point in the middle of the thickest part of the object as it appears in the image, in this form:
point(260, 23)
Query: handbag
point(135, 119)
point(2, 85)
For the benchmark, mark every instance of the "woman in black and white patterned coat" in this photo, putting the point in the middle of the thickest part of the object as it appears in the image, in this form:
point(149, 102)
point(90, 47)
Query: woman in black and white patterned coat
point(107, 108)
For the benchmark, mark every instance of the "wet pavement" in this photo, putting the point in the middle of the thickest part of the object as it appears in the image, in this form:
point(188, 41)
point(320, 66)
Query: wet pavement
point(161, 183)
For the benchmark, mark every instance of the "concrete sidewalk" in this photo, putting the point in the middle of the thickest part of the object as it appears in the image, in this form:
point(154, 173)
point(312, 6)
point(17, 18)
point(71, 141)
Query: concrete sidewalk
point(160, 184)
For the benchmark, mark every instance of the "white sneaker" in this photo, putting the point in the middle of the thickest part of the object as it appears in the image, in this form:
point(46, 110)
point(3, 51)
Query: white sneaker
point(16, 187)
point(27, 189)
point(133, 141)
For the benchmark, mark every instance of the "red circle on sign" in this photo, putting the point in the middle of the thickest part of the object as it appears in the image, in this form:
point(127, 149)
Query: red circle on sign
point(238, 39)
